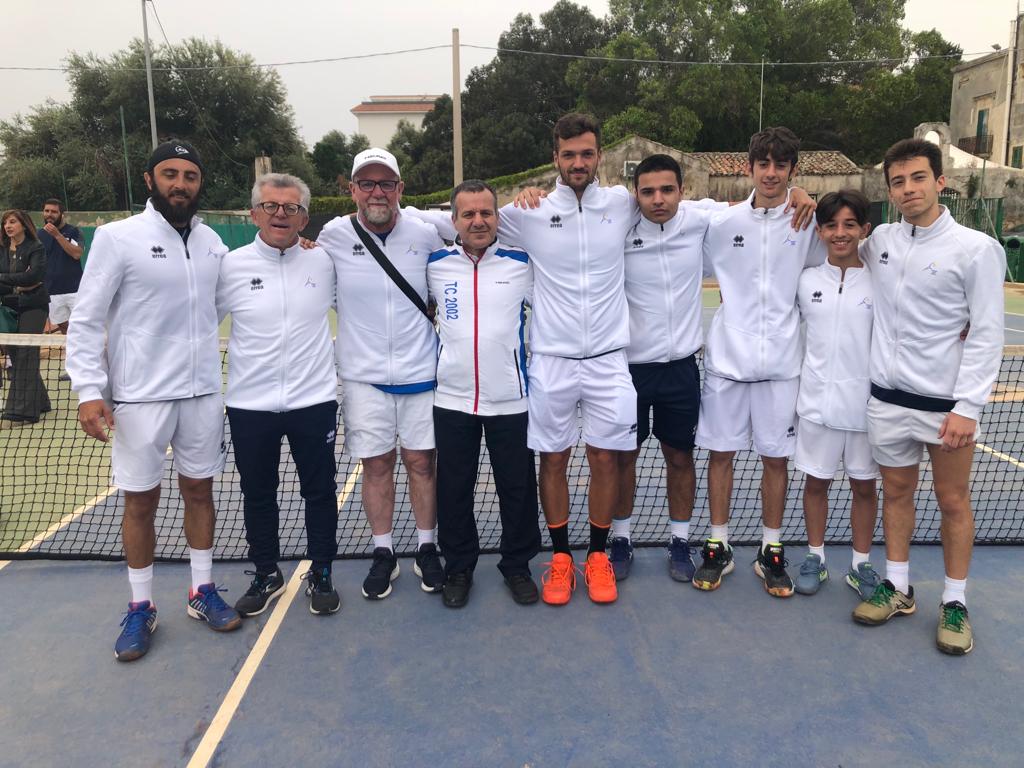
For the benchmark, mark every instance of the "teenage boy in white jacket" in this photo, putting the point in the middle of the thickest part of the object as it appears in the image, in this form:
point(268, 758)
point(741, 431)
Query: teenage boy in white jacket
point(931, 277)
point(282, 384)
point(836, 305)
point(481, 287)
point(752, 355)
point(143, 349)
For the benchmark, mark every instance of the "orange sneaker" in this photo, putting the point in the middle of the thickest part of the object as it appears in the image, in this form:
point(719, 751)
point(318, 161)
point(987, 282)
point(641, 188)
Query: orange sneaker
point(600, 578)
point(559, 580)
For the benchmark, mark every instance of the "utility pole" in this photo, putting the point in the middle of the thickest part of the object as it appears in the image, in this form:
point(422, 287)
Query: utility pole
point(149, 75)
point(456, 107)
point(760, 108)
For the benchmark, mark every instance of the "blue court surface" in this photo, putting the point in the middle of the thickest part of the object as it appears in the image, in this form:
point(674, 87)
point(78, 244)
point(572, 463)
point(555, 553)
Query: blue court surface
point(667, 676)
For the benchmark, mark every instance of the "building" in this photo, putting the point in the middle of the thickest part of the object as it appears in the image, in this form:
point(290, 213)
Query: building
point(379, 117)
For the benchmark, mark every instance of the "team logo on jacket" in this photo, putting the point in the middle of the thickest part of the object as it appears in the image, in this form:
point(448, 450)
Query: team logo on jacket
point(866, 303)
point(737, 242)
point(605, 219)
point(556, 222)
point(884, 258)
point(358, 250)
point(411, 250)
point(931, 269)
point(256, 284)
point(816, 297)
point(791, 432)
point(638, 243)
point(158, 252)
point(309, 282)
point(790, 240)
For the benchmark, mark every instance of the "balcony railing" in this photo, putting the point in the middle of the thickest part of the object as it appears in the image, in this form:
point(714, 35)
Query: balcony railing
point(979, 146)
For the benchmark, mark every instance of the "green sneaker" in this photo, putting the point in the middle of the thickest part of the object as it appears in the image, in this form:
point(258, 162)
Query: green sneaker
point(886, 602)
point(954, 635)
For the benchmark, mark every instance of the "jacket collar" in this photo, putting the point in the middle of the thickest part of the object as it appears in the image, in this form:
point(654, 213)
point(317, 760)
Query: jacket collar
point(777, 212)
point(151, 213)
point(924, 233)
point(564, 196)
point(836, 273)
point(271, 252)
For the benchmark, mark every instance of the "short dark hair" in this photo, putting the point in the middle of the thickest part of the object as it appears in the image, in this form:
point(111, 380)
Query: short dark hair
point(781, 143)
point(473, 185)
point(54, 201)
point(653, 163)
point(834, 202)
point(907, 149)
point(576, 124)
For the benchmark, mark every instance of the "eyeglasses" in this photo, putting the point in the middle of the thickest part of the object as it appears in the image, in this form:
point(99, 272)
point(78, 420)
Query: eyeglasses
point(367, 185)
point(290, 209)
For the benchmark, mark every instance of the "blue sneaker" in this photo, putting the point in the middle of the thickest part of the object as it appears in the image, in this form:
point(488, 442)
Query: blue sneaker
point(621, 556)
point(864, 581)
point(139, 625)
point(813, 574)
point(680, 562)
point(207, 605)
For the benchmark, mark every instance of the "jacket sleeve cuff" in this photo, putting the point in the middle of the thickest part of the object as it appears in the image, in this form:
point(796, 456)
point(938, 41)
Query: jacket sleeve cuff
point(89, 393)
point(967, 410)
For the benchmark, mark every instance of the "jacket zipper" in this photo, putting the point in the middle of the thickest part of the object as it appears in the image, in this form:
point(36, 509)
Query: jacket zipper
point(476, 337)
point(283, 361)
point(584, 282)
point(897, 305)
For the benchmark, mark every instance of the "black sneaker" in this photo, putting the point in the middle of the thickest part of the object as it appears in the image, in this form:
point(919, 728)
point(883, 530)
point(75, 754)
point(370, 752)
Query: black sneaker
point(383, 571)
point(265, 587)
point(428, 567)
point(456, 589)
point(717, 561)
point(323, 597)
point(770, 565)
point(524, 590)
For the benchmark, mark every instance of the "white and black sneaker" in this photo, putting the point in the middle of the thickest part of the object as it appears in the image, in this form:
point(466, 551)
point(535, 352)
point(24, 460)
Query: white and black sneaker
point(427, 566)
point(264, 588)
point(383, 571)
point(323, 597)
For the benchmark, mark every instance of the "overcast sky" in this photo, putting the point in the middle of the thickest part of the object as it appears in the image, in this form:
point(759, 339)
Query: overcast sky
point(288, 30)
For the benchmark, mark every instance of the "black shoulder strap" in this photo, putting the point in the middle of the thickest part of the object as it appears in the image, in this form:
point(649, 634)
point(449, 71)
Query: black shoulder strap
point(390, 269)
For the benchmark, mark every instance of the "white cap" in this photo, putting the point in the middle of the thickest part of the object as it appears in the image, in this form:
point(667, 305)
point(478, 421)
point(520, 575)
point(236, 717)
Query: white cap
point(375, 156)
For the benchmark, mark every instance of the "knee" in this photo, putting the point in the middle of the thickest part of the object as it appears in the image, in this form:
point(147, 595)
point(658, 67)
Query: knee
point(379, 467)
point(954, 502)
point(777, 465)
point(679, 461)
point(816, 486)
point(554, 463)
point(721, 459)
point(864, 490)
point(419, 463)
point(602, 460)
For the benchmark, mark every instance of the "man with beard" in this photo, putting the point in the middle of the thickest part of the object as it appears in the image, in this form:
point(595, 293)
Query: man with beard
point(150, 290)
point(63, 263)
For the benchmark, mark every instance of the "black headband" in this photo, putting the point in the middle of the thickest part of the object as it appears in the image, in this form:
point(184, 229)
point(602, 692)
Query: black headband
point(170, 150)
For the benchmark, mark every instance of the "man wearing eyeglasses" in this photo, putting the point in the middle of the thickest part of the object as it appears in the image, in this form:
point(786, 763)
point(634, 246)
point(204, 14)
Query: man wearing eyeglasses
point(282, 384)
point(387, 360)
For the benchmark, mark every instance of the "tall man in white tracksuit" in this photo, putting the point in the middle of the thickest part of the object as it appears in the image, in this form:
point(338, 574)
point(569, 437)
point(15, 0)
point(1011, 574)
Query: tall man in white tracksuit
point(753, 354)
point(282, 384)
point(931, 278)
point(481, 289)
point(144, 357)
point(387, 359)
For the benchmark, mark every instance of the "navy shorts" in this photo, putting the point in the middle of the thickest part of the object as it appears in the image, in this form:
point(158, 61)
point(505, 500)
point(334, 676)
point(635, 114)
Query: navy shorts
point(672, 391)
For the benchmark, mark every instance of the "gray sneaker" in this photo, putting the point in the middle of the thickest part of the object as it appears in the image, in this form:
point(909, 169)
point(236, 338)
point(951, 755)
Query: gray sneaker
point(813, 574)
point(954, 635)
point(864, 580)
point(884, 603)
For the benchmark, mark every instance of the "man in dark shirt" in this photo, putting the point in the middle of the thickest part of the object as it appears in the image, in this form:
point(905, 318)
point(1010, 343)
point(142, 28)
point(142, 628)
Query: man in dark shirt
point(63, 244)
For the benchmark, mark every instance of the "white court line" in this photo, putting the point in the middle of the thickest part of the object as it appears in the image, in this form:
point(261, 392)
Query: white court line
point(1003, 456)
point(219, 725)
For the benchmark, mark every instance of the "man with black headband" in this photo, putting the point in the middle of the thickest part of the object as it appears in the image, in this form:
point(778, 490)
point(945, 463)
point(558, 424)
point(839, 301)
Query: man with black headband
point(149, 290)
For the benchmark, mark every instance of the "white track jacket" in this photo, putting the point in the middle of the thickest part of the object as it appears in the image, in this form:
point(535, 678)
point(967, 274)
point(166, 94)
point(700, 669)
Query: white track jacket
point(928, 282)
point(154, 300)
point(280, 354)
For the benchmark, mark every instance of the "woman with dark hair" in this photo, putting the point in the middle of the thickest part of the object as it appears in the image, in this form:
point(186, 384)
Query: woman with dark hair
point(22, 269)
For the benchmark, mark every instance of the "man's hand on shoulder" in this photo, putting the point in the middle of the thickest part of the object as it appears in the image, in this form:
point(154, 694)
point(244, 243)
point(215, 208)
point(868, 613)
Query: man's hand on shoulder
point(96, 418)
point(957, 431)
point(307, 244)
point(803, 208)
point(529, 197)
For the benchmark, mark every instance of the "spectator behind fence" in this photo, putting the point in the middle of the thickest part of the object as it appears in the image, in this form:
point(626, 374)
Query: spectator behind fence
point(22, 271)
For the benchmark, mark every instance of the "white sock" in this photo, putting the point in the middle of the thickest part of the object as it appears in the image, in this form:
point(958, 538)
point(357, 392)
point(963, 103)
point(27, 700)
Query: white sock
point(202, 566)
point(954, 590)
point(770, 536)
point(141, 581)
point(720, 532)
point(424, 537)
point(898, 574)
point(681, 530)
point(383, 540)
point(620, 528)
point(819, 551)
point(859, 557)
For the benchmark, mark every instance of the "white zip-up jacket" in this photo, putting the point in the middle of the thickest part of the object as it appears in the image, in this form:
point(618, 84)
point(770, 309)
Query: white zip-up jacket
point(481, 313)
point(280, 353)
point(838, 312)
point(757, 257)
point(382, 337)
point(664, 269)
point(575, 247)
point(928, 282)
point(155, 301)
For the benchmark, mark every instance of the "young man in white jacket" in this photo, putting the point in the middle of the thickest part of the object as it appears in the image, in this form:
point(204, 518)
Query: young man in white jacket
point(144, 358)
point(481, 287)
point(282, 384)
point(931, 277)
point(387, 360)
point(836, 305)
point(752, 356)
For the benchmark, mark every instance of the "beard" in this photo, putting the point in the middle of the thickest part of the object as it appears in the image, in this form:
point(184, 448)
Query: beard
point(177, 210)
point(577, 186)
point(377, 215)
point(57, 222)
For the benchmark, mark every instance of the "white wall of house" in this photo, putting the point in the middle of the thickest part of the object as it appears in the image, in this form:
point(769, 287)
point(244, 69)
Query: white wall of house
point(380, 127)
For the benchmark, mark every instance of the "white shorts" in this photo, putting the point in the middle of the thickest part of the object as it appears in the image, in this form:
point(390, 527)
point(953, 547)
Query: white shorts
point(604, 391)
point(193, 427)
point(820, 450)
point(61, 305)
point(898, 435)
point(735, 413)
point(375, 422)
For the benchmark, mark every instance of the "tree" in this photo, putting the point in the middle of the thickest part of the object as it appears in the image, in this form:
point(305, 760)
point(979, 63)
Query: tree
point(332, 158)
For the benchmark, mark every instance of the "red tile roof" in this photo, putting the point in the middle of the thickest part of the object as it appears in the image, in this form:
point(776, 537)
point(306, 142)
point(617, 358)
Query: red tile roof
point(818, 163)
point(395, 106)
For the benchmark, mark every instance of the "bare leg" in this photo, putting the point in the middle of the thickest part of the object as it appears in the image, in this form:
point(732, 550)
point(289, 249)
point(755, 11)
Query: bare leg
point(816, 509)
point(898, 486)
point(627, 483)
point(863, 513)
point(604, 484)
point(554, 486)
point(680, 482)
point(138, 533)
point(951, 471)
point(720, 476)
point(774, 484)
point(379, 492)
point(200, 518)
point(419, 465)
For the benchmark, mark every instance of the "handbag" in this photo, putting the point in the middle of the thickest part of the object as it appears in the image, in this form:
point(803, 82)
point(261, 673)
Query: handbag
point(8, 320)
point(391, 270)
